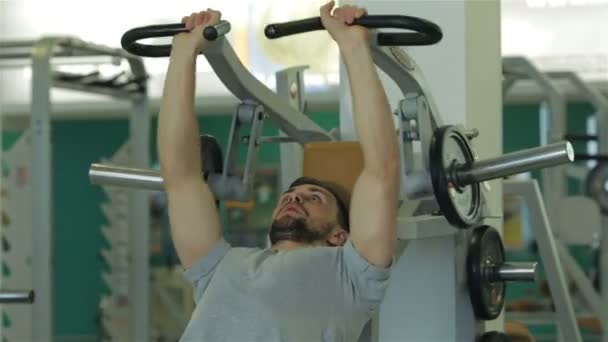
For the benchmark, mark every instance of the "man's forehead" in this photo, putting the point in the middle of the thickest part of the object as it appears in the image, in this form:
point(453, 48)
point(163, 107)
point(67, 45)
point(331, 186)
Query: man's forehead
point(311, 188)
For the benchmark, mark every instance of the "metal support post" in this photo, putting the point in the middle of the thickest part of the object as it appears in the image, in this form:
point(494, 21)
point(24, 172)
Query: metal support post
point(42, 176)
point(541, 226)
point(139, 236)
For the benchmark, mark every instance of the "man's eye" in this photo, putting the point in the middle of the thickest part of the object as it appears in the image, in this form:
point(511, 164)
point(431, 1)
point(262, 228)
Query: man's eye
point(315, 197)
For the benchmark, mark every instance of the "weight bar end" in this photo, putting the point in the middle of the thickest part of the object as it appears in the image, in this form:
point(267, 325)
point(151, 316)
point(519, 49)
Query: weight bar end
point(570, 151)
point(31, 296)
point(270, 31)
point(515, 271)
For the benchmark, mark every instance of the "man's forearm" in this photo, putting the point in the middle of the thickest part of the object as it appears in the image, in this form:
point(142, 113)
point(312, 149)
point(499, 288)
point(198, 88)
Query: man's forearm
point(372, 114)
point(178, 131)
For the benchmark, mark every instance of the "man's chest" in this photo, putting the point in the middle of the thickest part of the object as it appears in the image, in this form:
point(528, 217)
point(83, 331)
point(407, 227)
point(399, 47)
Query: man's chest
point(281, 283)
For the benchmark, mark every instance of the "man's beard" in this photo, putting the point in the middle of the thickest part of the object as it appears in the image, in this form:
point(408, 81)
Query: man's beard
point(297, 230)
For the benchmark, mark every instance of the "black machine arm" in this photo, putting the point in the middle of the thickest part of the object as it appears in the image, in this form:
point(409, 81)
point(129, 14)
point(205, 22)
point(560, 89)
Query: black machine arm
point(426, 32)
point(129, 39)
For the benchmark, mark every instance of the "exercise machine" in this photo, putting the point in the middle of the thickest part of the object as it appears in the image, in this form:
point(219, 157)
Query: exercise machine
point(46, 55)
point(553, 121)
point(443, 183)
point(595, 180)
point(448, 161)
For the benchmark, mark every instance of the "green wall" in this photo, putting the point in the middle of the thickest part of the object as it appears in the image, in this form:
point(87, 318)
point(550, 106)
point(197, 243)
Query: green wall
point(521, 127)
point(77, 217)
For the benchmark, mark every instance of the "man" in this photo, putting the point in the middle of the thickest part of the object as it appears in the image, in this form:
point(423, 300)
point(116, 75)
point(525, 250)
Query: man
point(327, 270)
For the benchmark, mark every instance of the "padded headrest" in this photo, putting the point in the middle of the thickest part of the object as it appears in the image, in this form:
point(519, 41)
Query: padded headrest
point(338, 162)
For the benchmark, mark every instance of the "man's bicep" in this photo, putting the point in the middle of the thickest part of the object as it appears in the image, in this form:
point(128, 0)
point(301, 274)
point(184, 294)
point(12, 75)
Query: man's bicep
point(194, 220)
point(373, 216)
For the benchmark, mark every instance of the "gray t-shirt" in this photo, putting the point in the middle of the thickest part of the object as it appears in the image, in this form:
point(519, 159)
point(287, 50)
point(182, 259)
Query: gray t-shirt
point(307, 294)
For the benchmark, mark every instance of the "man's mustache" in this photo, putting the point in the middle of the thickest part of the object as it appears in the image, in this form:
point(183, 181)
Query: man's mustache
point(299, 208)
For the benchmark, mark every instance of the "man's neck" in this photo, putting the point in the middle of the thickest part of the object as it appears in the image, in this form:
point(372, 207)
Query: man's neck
point(287, 245)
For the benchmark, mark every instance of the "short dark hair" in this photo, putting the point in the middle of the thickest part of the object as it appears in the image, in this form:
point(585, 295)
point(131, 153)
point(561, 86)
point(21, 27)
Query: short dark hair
point(341, 195)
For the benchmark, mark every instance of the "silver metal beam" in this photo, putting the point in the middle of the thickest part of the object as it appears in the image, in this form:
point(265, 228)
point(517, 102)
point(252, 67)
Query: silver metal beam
point(583, 284)
point(245, 86)
point(139, 225)
point(120, 94)
point(600, 102)
point(213, 105)
point(404, 71)
point(174, 309)
point(22, 297)
point(515, 271)
point(64, 46)
point(541, 226)
point(290, 87)
point(553, 180)
point(42, 180)
point(516, 162)
point(67, 46)
point(24, 61)
point(6, 44)
point(129, 177)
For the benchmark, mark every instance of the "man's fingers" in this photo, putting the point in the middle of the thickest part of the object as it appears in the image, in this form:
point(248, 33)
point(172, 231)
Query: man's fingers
point(361, 12)
point(326, 9)
point(214, 13)
point(214, 16)
point(350, 15)
point(341, 14)
point(190, 21)
point(208, 18)
point(200, 18)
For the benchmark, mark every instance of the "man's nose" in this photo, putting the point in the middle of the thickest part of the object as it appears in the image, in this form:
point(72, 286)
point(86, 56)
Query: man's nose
point(296, 197)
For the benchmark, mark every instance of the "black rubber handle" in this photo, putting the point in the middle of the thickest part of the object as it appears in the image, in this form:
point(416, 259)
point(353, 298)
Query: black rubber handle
point(584, 156)
point(129, 39)
point(581, 137)
point(427, 33)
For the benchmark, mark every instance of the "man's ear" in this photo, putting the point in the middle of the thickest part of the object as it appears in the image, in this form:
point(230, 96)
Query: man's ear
point(338, 237)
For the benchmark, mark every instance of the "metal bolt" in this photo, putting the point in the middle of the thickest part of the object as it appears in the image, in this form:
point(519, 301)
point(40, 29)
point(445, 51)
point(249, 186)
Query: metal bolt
point(472, 133)
point(293, 90)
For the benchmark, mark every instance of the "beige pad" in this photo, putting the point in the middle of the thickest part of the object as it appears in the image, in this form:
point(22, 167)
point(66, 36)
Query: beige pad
point(337, 162)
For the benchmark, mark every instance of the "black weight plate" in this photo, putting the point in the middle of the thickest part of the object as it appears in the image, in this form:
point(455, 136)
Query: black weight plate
point(485, 252)
point(596, 185)
point(211, 155)
point(494, 336)
point(449, 148)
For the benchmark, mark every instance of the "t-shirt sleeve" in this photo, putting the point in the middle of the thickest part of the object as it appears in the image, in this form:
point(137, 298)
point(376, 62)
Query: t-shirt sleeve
point(367, 281)
point(201, 272)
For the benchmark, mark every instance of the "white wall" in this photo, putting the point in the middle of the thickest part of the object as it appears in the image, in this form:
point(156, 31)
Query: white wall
point(556, 33)
point(106, 22)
